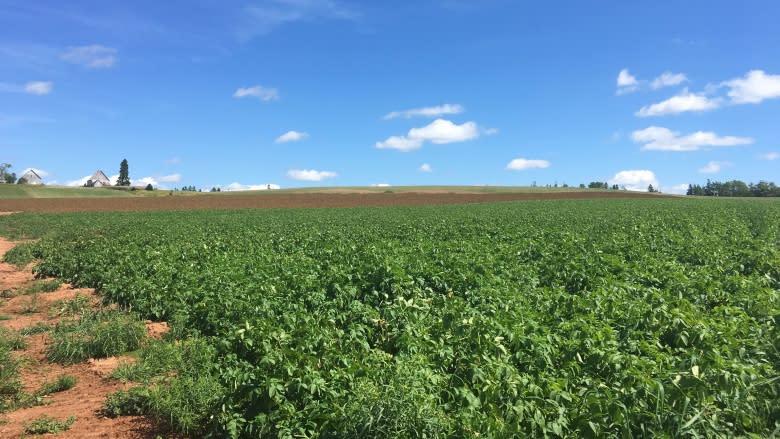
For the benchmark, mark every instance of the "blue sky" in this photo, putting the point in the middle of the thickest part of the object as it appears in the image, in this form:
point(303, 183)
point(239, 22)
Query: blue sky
point(343, 93)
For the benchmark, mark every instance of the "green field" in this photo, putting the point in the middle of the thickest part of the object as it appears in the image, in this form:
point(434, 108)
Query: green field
point(577, 318)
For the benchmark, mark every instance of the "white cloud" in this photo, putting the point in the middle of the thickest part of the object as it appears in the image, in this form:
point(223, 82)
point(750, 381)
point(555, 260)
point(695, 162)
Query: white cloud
point(235, 186)
point(436, 111)
point(490, 131)
point(291, 136)
point(400, 143)
point(668, 79)
point(80, 182)
point(713, 167)
point(769, 156)
point(259, 92)
point(440, 131)
point(266, 17)
point(663, 139)
point(39, 88)
point(626, 82)
point(380, 185)
point(753, 88)
point(635, 179)
point(173, 178)
point(679, 189)
point(93, 57)
point(173, 161)
point(310, 174)
point(521, 164)
point(426, 168)
point(681, 103)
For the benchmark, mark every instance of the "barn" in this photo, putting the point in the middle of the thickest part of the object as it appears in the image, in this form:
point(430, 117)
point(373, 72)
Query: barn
point(98, 179)
point(31, 177)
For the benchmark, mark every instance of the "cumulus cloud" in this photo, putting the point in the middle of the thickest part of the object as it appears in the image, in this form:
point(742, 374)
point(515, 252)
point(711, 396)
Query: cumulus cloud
point(425, 168)
point(93, 56)
point(310, 174)
point(235, 186)
point(263, 93)
point(663, 139)
point(635, 179)
point(668, 79)
point(173, 178)
point(291, 136)
point(79, 182)
point(380, 185)
point(626, 82)
point(440, 131)
point(521, 164)
point(683, 102)
point(769, 156)
point(679, 189)
point(38, 88)
point(753, 88)
point(713, 167)
point(400, 143)
point(437, 111)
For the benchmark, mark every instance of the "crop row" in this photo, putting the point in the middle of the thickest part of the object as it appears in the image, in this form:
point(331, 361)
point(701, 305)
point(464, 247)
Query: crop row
point(559, 318)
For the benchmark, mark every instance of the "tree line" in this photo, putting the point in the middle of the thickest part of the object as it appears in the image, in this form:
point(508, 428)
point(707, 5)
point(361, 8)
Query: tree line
point(734, 188)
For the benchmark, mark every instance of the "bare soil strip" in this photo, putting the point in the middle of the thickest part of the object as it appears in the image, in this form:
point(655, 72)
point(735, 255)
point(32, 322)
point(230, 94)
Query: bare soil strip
point(287, 200)
point(83, 400)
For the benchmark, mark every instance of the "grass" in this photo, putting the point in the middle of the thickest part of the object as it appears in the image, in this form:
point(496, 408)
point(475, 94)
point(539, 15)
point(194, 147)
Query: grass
point(42, 286)
point(130, 402)
point(38, 328)
point(46, 425)
point(65, 308)
point(11, 340)
point(32, 306)
point(62, 383)
point(98, 334)
point(5, 317)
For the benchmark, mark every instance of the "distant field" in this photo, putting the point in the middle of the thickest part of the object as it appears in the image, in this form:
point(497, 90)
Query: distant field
point(298, 198)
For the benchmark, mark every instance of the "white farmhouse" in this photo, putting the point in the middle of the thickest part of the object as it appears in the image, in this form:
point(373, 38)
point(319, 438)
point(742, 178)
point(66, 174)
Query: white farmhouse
point(31, 177)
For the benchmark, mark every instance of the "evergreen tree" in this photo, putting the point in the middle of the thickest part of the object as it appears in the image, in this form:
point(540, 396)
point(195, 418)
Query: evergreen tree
point(124, 174)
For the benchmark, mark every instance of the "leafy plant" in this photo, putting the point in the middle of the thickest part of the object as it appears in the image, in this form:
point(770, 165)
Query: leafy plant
point(46, 424)
point(62, 383)
point(97, 335)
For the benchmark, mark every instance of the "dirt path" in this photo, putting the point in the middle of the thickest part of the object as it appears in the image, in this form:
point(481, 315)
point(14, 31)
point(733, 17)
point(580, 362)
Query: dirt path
point(91, 389)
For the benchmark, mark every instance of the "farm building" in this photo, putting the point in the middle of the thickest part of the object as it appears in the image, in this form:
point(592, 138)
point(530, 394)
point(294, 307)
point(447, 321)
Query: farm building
point(98, 179)
point(31, 177)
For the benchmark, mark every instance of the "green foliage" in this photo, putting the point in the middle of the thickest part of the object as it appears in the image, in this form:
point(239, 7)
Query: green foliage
point(67, 308)
point(46, 425)
point(98, 334)
point(124, 174)
point(130, 402)
point(62, 383)
point(38, 328)
point(42, 286)
point(619, 318)
point(11, 340)
point(10, 385)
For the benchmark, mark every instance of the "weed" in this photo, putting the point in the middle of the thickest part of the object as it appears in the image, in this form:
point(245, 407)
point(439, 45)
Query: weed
point(5, 317)
point(76, 306)
point(38, 328)
point(8, 293)
point(131, 402)
point(46, 425)
point(11, 340)
point(32, 306)
point(95, 335)
point(62, 383)
point(42, 286)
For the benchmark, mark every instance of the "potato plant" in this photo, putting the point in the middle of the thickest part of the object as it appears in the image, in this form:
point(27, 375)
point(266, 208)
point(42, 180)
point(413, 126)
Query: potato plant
point(593, 318)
